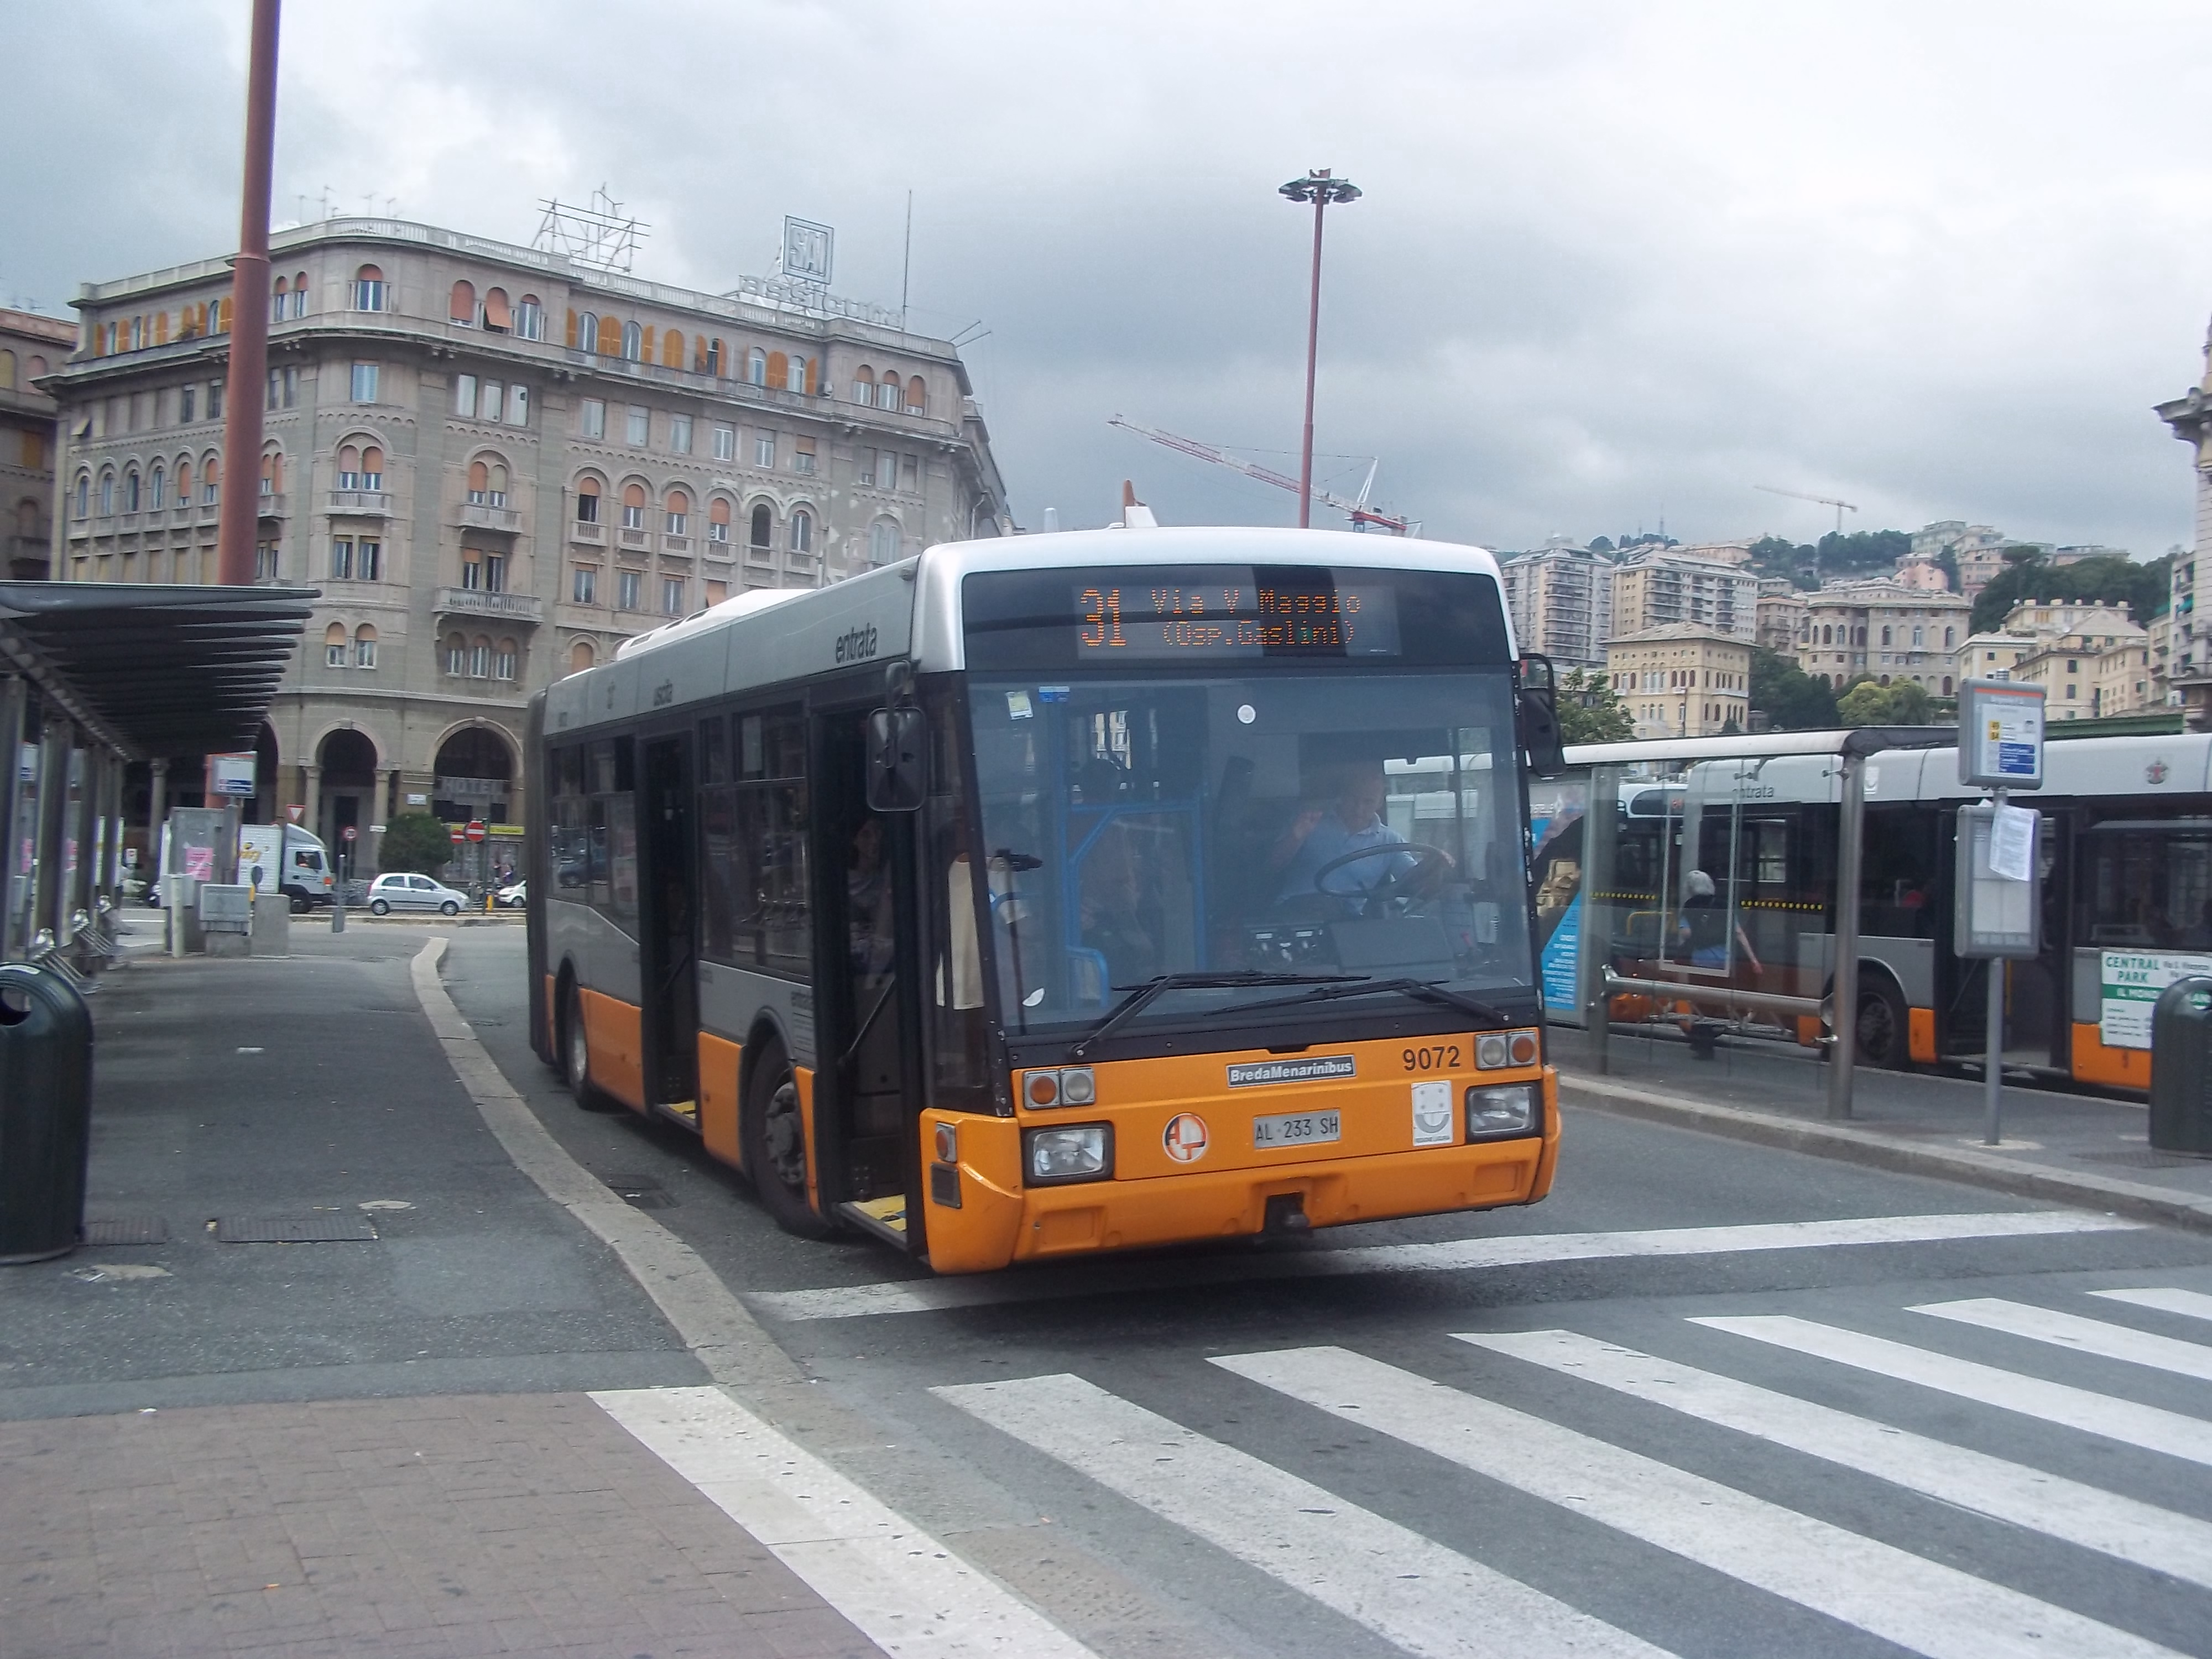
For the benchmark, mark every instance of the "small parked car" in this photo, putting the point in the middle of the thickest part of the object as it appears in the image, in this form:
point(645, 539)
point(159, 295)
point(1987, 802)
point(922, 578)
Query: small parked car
point(393, 892)
point(515, 896)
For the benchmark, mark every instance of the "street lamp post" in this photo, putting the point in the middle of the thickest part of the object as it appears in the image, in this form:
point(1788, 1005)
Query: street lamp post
point(1319, 188)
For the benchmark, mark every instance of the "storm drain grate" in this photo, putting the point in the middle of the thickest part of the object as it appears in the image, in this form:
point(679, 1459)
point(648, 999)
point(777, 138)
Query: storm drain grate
point(640, 1192)
point(294, 1229)
point(2149, 1160)
point(127, 1230)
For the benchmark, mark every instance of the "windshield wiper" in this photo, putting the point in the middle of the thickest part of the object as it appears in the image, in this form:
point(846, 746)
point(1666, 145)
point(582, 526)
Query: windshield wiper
point(1411, 988)
point(1227, 979)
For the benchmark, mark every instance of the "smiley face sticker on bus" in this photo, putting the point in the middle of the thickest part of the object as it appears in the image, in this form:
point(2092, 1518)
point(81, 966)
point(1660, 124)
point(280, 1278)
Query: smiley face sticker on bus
point(1185, 1138)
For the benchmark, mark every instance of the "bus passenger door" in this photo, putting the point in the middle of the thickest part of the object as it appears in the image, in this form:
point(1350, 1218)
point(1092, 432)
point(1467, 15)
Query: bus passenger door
point(668, 906)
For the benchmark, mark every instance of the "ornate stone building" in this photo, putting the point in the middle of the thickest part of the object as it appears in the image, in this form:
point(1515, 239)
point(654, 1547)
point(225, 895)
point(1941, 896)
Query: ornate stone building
point(30, 347)
point(2189, 630)
point(497, 463)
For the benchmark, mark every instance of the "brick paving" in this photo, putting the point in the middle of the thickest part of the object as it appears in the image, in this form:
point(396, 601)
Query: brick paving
point(436, 1527)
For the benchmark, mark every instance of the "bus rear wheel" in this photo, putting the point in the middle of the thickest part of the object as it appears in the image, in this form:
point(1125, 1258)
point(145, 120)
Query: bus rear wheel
point(576, 1056)
point(774, 1136)
point(1884, 1037)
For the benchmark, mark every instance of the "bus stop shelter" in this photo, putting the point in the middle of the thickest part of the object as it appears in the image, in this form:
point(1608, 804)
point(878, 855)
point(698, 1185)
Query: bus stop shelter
point(94, 676)
point(1703, 879)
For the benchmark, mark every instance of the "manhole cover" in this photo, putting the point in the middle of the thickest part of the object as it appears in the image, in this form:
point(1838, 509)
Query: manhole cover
point(2153, 1159)
point(127, 1230)
point(642, 1192)
point(294, 1229)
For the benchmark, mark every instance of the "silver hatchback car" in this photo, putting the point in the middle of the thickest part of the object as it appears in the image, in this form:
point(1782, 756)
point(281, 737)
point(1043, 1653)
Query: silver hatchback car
point(405, 892)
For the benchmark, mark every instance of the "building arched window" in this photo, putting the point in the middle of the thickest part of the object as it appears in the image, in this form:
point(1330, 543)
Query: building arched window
point(495, 496)
point(335, 653)
point(672, 348)
point(579, 656)
point(715, 356)
point(587, 332)
point(83, 507)
point(137, 333)
point(457, 653)
point(479, 483)
point(887, 394)
point(1947, 686)
point(863, 385)
point(300, 293)
point(279, 297)
point(106, 493)
point(779, 369)
point(7, 369)
point(371, 468)
point(496, 316)
point(679, 512)
point(504, 657)
point(1858, 636)
point(272, 475)
point(883, 542)
point(917, 396)
point(610, 337)
point(1885, 637)
point(131, 491)
point(184, 482)
point(529, 318)
point(210, 479)
point(462, 308)
point(364, 647)
point(370, 291)
point(802, 532)
point(762, 531)
point(718, 520)
point(221, 323)
point(632, 506)
point(161, 327)
point(349, 466)
point(480, 658)
point(587, 501)
point(756, 367)
point(633, 343)
point(157, 490)
point(1950, 638)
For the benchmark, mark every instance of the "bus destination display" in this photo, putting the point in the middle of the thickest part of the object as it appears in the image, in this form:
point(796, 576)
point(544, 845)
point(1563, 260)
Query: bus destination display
point(1235, 619)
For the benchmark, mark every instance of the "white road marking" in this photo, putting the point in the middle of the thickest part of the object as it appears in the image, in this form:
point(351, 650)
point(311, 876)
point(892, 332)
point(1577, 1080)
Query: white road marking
point(1918, 1604)
point(2147, 1426)
point(2194, 1304)
point(1450, 1255)
point(903, 1590)
point(2122, 1527)
point(1426, 1598)
point(2066, 1330)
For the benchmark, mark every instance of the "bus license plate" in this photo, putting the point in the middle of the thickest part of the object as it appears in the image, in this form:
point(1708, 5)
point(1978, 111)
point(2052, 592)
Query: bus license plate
point(1296, 1129)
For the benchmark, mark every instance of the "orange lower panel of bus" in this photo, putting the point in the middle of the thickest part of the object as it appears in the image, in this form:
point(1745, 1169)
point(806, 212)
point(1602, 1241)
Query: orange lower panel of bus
point(2116, 1068)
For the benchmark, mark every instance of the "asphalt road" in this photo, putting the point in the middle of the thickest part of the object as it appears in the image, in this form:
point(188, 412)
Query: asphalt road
point(1709, 1398)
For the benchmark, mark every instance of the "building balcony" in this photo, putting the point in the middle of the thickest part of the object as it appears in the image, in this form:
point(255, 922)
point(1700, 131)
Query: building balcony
point(526, 608)
point(476, 515)
point(590, 535)
point(270, 504)
point(640, 540)
point(361, 503)
point(675, 544)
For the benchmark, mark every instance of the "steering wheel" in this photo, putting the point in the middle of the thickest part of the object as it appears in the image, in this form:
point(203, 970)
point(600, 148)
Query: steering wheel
point(1429, 863)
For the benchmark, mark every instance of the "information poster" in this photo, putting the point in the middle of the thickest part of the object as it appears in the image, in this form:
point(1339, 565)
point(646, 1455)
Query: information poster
point(2131, 982)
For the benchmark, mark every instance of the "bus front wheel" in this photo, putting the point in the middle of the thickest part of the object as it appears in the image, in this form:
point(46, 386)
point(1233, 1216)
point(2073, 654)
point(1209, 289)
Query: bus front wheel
point(576, 1057)
point(1884, 1027)
point(776, 1145)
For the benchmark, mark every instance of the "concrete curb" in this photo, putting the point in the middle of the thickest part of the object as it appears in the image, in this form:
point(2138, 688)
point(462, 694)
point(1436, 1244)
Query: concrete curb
point(1853, 1144)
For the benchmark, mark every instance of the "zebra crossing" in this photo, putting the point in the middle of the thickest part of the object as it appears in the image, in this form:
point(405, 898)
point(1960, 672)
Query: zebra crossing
point(1428, 1596)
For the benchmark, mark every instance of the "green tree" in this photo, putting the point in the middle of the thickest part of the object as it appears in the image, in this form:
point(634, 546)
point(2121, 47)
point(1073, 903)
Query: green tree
point(415, 842)
point(1590, 711)
point(1863, 550)
point(2028, 575)
point(1863, 703)
point(1791, 699)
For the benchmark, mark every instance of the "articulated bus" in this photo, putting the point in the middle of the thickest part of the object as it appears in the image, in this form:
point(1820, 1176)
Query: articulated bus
point(1723, 872)
point(1067, 893)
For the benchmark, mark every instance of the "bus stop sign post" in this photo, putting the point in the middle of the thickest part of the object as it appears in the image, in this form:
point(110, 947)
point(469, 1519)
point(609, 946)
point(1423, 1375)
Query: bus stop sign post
point(1999, 910)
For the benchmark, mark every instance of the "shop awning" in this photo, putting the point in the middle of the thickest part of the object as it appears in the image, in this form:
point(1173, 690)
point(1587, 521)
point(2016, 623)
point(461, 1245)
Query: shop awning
point(155, 670)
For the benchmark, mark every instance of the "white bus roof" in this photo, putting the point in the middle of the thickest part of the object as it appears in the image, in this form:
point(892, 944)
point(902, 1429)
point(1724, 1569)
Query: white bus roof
point(912, 610)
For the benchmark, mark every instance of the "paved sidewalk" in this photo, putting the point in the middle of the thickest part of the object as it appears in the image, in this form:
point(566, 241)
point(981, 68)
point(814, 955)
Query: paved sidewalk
point(379, 1444)
point(2086, 1150)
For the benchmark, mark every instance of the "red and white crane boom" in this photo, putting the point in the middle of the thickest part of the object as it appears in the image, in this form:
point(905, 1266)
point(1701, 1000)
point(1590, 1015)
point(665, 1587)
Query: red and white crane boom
point(1362, 516)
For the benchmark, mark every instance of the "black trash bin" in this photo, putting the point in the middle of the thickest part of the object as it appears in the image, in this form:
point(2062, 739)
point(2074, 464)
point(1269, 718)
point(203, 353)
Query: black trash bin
point(45, 1112)
point(2181, 1067)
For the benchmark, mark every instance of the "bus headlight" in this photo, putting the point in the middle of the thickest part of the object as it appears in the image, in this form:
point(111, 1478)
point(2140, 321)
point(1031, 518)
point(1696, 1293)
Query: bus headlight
point(1501, 1111)
point(1079, 1152)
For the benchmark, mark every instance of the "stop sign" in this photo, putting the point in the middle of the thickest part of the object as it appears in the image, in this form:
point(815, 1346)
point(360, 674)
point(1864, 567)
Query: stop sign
point(476, 830)
point(346, 834)
point(457, 838)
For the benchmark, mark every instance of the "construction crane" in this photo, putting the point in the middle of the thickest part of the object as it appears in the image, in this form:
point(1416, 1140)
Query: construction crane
point(1362, 516)
point(1841, 507)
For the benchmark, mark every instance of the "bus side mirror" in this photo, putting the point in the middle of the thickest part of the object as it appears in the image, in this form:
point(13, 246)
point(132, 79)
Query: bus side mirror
point(898, 742)
point(1538, 698)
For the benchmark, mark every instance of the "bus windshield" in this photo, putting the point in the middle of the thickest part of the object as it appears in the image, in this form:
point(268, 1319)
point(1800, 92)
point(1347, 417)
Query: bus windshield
point(1300, 824)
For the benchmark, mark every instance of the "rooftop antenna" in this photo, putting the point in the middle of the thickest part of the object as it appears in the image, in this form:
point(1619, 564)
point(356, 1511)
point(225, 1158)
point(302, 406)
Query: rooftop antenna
point(905, 263)
point(601, 235)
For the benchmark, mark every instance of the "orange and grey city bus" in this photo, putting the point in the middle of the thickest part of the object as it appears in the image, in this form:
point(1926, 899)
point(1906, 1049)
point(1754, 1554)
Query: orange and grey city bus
point(1063, 893)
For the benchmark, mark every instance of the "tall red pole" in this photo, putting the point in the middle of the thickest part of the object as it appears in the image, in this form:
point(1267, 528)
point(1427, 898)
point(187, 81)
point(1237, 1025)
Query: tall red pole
point(249, 315)
point(1313, 352)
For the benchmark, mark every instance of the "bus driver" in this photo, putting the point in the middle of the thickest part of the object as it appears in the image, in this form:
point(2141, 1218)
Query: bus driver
point(1352, 823)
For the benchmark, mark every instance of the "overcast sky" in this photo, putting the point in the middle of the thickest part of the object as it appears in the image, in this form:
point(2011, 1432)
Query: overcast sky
point(1614, 261)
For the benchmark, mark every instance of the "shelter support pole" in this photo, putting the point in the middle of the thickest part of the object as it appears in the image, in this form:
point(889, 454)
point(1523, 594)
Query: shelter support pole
point(311, 794)
point(1600, 834)
point(52, 892)
point(14, 696)
point(1993, 1037)
point(84, 827)
point(157, 810)
point(1844, 998)
point(238, 534)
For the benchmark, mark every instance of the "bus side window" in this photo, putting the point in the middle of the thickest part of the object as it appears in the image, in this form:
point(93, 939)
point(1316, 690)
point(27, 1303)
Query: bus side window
point(959, 1070)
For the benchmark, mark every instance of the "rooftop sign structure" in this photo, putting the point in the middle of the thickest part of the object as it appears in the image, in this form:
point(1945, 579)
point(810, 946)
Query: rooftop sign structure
point(601, 235)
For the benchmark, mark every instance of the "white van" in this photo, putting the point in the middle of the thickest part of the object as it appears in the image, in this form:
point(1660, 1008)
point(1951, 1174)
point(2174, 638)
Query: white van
point(290, 860)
